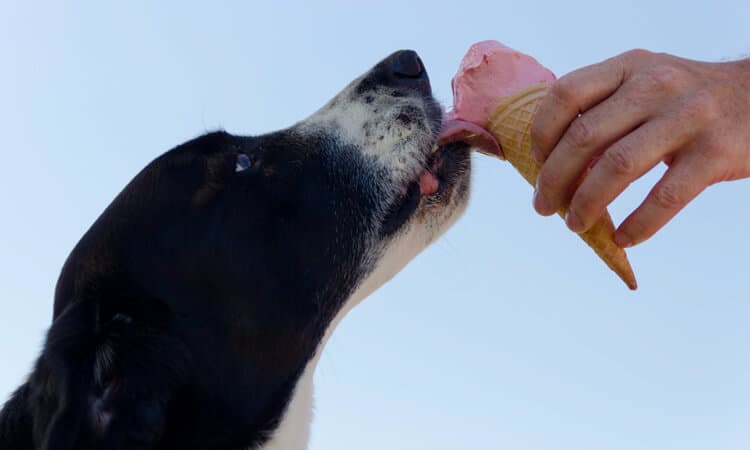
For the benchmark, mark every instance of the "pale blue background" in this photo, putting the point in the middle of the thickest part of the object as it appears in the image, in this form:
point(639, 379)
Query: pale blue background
point(506, 334)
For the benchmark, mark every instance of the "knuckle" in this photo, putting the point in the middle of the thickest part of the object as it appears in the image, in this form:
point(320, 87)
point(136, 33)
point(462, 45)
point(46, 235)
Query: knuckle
point(669, 196)
point(718, 163)
point(620, 159)
point(711, 151)
point(664, 78)
point(636, 54)
point(563, 91)
point(703, 106)
point(580, 132)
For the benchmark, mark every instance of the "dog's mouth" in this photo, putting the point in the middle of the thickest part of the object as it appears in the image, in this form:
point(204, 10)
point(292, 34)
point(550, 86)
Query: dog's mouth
point(454, 131)
point(429, 180)
point(433, 182)
point(429, 184)
point(476, 137)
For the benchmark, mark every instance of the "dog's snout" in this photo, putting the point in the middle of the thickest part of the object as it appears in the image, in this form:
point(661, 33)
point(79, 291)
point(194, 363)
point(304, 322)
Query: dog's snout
point(402, 70)
point(405, 69)
point(405, 64)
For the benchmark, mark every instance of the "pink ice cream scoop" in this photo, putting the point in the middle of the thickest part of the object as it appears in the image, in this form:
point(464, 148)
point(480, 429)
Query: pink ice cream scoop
point(488, 71)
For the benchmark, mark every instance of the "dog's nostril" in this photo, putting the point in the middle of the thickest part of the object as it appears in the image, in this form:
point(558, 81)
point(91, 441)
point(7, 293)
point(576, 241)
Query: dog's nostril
point(406, 64)
point(402, 72)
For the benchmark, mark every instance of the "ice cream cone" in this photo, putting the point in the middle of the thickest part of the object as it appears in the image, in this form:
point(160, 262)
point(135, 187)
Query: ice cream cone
point(510, 124)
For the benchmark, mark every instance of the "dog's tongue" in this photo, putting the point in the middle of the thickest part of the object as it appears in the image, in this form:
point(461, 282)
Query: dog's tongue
point(428, 183)
point(488, 71)
point(457, 130)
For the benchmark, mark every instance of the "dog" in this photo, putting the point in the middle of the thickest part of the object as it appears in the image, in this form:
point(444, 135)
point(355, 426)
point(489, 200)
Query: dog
point(193, 312)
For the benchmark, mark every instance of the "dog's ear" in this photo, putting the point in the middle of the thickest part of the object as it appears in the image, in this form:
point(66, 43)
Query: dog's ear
point(137, 370)
point(104, 385)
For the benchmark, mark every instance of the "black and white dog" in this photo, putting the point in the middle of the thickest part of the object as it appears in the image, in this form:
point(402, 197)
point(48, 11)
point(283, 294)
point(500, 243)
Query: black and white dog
point(193, 312)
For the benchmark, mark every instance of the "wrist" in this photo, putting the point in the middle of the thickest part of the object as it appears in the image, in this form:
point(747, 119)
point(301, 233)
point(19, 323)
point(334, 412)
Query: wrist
point(737, 74)
point(733, 85)
point(742, 70)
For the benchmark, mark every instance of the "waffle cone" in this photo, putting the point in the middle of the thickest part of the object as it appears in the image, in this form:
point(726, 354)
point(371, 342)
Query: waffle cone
point(510, 124)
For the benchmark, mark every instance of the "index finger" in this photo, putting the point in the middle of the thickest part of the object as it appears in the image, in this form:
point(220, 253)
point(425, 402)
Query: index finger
point(570, 96)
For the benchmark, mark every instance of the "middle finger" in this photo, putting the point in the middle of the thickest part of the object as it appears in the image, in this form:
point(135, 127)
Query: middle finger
point(584, 139)
point(621, 164)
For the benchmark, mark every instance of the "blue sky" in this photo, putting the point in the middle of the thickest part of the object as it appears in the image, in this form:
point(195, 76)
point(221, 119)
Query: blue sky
point(507, 333)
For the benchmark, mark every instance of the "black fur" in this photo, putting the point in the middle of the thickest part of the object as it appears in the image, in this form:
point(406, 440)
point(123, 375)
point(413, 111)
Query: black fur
point(186, 314)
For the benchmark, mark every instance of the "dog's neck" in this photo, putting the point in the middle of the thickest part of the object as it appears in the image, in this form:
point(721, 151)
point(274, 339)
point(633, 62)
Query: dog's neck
point(293, 431)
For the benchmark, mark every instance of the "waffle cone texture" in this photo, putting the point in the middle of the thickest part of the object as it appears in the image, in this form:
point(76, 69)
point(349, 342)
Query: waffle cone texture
point(510, 124)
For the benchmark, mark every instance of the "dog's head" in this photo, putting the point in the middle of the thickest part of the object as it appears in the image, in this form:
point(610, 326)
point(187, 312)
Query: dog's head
point(246, 251)
point(249, 249)
point(301, 218)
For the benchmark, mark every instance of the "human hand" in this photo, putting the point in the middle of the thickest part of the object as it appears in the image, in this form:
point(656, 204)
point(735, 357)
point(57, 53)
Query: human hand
point(627, 114)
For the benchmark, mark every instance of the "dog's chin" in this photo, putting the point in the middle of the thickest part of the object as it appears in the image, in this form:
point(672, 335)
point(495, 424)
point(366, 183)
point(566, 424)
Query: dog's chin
point(436, 195)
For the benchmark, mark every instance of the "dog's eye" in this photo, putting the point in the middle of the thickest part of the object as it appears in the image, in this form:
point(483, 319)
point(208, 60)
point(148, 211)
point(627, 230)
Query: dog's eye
point(242, 163)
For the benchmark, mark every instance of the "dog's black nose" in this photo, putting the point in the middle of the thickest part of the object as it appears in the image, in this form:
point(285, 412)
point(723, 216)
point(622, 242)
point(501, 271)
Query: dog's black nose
point(405, 69)
point(405, 64)
point(402, 70)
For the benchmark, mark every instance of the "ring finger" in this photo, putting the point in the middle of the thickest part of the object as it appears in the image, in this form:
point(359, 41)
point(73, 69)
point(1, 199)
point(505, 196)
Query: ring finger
point(584, 139)
point(622, 163)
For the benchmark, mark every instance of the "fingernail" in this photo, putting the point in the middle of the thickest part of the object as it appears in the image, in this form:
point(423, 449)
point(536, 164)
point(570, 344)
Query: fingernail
point(540, 203)
point(623, 240)
point(573, 222)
